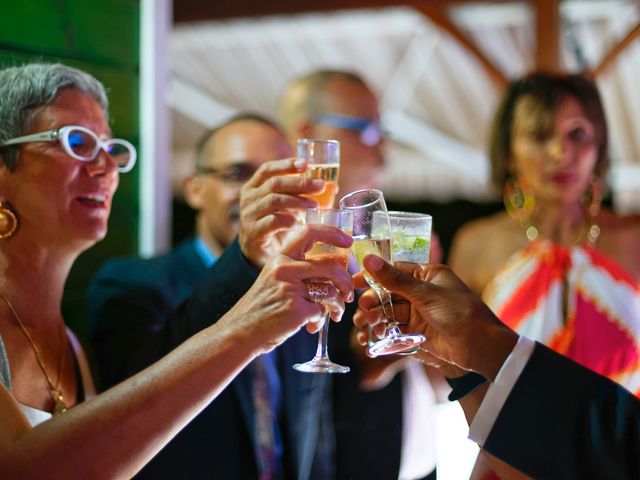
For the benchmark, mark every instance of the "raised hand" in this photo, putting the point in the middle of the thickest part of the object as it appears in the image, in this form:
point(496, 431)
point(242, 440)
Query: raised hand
point(460, 328)
point(278, 303)
point(270, 205)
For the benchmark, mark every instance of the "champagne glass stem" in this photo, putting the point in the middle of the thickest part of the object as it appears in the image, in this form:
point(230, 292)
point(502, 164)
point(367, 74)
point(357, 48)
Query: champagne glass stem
point(387, 308)
point(387, 305)
point(323, 335)
point(393, 330)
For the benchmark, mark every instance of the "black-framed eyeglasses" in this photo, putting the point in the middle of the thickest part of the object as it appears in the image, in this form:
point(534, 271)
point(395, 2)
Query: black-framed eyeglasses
point(371, 132)
point(235, 173)
point(84, 145)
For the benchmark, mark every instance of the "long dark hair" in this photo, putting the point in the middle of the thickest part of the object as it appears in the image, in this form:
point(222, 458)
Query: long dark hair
point(547, 91)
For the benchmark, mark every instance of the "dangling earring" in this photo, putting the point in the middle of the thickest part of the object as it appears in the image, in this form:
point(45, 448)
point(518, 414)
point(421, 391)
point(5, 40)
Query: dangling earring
point(520, 202)
point(592, 201)
point(8, 221)
point(593, 197)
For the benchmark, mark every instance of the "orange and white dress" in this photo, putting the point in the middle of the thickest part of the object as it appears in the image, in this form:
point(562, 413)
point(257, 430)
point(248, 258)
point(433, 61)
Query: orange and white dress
point(575, 300)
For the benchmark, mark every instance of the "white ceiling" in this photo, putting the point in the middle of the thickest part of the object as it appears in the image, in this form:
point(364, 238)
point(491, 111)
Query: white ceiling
point(436, 98)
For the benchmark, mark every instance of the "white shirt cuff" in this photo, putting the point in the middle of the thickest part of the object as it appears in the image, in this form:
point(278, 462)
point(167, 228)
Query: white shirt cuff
point(499, 390)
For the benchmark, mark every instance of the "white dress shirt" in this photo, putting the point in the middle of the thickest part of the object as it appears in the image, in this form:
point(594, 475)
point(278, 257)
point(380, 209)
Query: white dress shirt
point(500, 390)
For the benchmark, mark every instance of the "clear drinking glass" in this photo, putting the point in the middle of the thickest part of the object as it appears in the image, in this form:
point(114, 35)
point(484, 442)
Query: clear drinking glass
point(342, 219)
point(411, 236)
point(372, 234)
point(323, 161)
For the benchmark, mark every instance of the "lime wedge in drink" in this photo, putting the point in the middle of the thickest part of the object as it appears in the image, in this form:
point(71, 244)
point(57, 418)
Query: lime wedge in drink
point(410, 248)
point(420, 243)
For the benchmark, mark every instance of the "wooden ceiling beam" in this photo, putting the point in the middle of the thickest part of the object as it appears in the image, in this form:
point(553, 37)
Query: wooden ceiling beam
point(440, 19)
point(199, 10)
point(617, 49)
point(547, 35)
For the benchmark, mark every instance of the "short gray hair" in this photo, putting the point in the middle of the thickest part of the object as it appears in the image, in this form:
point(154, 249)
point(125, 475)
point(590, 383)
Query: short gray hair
point(28, 87)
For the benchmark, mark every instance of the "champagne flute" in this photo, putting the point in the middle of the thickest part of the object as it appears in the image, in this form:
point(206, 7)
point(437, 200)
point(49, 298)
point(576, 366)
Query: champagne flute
point(323, 162)
point(342, 219)
point(372, 234)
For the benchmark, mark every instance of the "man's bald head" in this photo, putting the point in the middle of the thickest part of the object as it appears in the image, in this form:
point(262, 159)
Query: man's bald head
point(312, 100)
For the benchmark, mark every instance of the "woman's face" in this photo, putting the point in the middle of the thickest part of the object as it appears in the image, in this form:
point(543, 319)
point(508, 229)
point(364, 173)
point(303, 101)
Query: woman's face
point(58, 198)
point(556, 160)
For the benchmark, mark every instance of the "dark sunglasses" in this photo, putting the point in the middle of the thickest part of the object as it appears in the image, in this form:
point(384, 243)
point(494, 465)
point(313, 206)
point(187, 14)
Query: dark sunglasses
point(236, 173)
point(371, 132)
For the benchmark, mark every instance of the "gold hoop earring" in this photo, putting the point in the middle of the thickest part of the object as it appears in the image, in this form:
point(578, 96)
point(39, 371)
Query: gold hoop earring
point(518, 199)
point(8, 221)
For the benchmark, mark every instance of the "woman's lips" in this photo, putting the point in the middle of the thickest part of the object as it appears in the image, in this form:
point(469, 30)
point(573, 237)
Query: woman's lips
point(95, 200)
point(563, 178)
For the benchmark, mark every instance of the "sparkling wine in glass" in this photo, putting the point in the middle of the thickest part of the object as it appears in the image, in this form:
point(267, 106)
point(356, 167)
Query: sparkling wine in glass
point(372, 235)
point(318, 290)
point(323, 162)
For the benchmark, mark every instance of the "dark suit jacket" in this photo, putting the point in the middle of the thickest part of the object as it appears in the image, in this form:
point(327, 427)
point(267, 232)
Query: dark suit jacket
point(131, 326)
point(563, 421)
point(368, 424)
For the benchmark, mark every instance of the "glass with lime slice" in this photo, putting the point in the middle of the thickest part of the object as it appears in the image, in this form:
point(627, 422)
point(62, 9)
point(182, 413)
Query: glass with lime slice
point(411, 236)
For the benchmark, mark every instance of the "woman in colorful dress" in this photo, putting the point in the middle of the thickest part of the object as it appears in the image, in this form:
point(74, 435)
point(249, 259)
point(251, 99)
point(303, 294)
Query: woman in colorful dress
point(556, 266)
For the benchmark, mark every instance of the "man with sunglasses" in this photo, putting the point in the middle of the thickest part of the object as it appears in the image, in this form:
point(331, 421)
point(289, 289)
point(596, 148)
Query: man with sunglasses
point(383, 403)
point(264, 424)
point(338, 105)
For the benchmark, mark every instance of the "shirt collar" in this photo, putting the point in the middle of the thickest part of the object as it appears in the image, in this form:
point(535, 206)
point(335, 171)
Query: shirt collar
point(204, 252)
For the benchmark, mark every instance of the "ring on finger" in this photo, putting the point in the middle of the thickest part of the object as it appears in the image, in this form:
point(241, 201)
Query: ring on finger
point(318, 291)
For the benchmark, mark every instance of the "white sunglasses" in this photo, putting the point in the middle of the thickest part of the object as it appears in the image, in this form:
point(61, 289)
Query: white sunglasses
point(83, 144)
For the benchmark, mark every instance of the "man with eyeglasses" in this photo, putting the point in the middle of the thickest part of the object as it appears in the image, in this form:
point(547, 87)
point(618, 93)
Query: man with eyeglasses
point(265, 424)
point(386, 403)
point(225, 158)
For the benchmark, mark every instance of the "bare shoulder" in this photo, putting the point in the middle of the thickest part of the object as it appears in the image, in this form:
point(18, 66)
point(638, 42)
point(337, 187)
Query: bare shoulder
point(484, 227)
point(615, 227)
point(621, 223)
point(480, 247)
point(619, 239)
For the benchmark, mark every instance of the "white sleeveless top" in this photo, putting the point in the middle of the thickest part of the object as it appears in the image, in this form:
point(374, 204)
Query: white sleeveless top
point(34, 415)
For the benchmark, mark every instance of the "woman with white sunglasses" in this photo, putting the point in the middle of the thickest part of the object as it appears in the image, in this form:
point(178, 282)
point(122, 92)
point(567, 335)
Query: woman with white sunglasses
point(59, 169)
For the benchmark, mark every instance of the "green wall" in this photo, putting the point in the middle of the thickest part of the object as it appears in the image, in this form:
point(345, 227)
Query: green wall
point(102, 38)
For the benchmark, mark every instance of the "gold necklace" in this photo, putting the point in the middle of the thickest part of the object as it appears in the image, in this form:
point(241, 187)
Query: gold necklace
point(590, 227)
point(59, 406)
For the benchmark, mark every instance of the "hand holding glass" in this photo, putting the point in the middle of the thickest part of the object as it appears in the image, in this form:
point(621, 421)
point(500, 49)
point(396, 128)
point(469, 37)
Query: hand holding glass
point(318, 290)
point(372, 235)
point(323, 162)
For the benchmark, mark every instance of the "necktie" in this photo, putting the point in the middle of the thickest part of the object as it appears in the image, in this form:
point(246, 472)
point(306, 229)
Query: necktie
point(264, 422)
